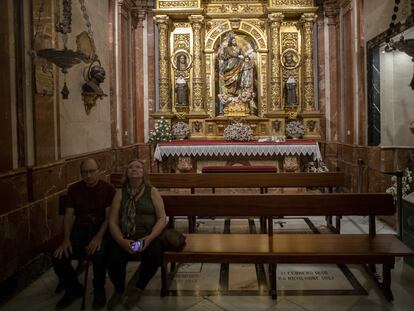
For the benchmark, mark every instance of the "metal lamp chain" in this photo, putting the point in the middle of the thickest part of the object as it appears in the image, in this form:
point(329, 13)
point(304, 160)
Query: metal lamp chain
point(87, 21)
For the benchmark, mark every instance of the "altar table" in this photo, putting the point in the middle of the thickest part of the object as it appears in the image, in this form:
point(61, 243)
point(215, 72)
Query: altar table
point(217, 148)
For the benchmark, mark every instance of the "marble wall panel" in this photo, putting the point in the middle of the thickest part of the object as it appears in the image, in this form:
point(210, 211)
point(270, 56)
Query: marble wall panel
point(331, 150)
point(6, 78)
point(374, 158)
point(13, 191)
point(45, 226)
point(402, 157)
point(48, 180)
point(151, 67)
point(45, 143)
point(347, 153)
point(387, 160)
point(144, 151)
point(359, 152)
point(123, 156)
point(377, 182)
point(14, 241)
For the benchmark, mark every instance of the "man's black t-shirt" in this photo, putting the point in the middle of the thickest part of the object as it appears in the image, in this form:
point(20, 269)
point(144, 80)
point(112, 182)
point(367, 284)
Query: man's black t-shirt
point(90, 203)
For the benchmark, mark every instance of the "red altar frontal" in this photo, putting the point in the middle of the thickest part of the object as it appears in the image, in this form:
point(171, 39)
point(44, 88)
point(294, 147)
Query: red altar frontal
point(193, 155)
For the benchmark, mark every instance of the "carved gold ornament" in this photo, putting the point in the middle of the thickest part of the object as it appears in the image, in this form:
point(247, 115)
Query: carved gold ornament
point(177, 60)
point(290, 59)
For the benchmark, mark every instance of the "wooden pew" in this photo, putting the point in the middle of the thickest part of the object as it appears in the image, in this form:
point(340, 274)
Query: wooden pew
point(272, 249)
point(274, 205)
point(241, 180)
point(260, 181)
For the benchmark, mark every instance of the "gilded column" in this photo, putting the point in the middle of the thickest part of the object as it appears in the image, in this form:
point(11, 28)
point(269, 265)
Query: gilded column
point(308, 20)
point(162, 23)
point(275, 78)
point(196, 23)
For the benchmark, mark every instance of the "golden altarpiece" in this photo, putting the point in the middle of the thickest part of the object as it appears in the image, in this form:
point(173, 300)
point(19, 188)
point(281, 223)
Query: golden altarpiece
point(226, 60)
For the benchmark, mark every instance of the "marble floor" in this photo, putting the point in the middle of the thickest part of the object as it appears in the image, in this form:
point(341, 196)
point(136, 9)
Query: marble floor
point(218, 287)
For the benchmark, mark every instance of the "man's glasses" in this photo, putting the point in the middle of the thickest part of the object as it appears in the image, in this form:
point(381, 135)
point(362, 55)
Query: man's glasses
point(88, 172)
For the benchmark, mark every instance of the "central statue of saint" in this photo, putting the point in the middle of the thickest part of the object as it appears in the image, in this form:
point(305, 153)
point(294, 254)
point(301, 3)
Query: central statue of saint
point(232, 66)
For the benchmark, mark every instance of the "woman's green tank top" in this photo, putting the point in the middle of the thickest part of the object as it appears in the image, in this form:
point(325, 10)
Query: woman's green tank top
point(145, 217)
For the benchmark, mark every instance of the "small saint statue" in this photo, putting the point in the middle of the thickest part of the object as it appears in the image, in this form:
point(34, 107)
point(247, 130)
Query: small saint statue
point(181, 88)
point(290, 92)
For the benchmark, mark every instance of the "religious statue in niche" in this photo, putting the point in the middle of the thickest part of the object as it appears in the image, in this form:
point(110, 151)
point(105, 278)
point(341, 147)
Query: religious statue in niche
point(181, 89)
point(236, 75)
point(291, 98)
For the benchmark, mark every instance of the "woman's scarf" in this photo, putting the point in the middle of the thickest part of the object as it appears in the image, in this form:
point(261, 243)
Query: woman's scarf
point(129, 212)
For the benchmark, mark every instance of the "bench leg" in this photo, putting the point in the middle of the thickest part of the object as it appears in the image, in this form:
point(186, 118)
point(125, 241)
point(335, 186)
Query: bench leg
point(338, 224)
point(272, 280)
point(386, 281)
point(328, 221)
point(171, 222)
point(173, 267)
point(263, 221)
point(164, 280)
point(191, 224)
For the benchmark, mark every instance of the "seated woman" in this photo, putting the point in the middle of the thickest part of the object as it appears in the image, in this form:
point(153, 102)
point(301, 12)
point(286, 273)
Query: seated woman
point(137, 213)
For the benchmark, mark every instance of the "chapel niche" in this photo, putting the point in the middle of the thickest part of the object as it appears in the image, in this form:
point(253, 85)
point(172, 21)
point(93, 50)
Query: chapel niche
point(225, 61)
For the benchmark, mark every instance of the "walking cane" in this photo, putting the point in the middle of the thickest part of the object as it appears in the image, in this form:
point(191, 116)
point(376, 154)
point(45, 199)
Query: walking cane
point(85, 282)
point(87, 262)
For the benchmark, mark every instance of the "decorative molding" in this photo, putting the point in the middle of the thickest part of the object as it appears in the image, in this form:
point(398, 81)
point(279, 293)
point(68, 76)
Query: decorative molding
point(291, 3)
point(168, 4)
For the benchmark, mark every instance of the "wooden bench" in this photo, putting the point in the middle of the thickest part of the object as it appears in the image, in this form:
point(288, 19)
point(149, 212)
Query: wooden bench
point(261, 181)
point(273, 249)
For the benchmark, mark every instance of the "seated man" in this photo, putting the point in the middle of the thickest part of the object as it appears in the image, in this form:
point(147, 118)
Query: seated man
point(84, 233)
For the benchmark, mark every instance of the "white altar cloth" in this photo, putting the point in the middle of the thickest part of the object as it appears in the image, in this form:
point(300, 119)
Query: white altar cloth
point(224, 148)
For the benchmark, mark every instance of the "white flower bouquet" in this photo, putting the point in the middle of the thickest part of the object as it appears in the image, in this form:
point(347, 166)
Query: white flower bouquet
point(238, 131)
point(294, 129)
point(407, 179)
point(161, 132)
point(180, 130)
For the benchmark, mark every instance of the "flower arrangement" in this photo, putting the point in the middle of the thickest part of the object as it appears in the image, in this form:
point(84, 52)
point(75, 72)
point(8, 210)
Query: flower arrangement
point(311, 167)
point(161, 132)
point(180, 130)
point(407, 179)
point(238, 131)
point(295, 129)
